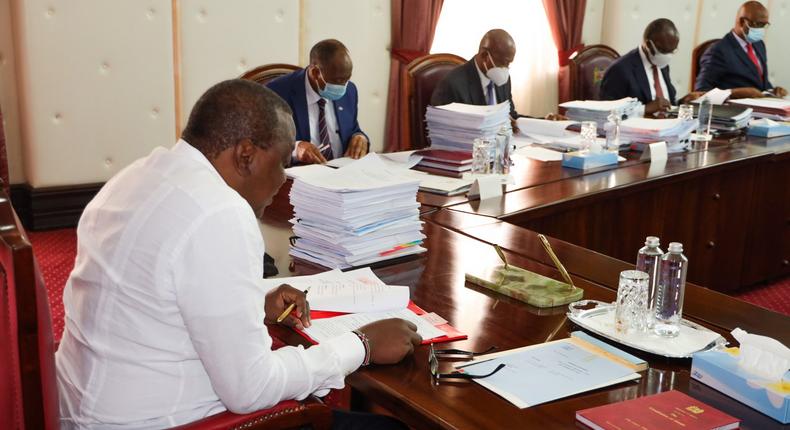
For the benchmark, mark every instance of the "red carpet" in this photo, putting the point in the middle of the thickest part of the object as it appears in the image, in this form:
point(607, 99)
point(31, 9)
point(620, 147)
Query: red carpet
point(55, 251)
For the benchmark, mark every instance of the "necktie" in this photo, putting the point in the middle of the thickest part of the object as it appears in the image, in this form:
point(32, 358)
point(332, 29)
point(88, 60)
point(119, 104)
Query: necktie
point(491, 94)
point(657, 83)
point(323, 133)
point(750, 53)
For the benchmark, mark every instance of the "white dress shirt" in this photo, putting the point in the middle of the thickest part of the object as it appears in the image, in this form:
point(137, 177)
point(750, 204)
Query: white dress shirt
point(484, 83)
point(329, 116)
point(164, 307)
point(649, 71)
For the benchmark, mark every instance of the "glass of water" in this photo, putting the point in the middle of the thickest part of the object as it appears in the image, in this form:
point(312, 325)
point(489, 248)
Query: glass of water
point(588, 134)
point(482, 155)
point(631, 311)
point(686, 113)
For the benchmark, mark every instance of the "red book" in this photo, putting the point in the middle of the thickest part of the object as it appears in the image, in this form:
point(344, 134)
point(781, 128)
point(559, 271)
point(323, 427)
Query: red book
point(664, 411)
point(445, 156)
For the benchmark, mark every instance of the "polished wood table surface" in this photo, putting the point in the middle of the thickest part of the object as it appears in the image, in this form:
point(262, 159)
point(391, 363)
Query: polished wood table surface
point(459, 243)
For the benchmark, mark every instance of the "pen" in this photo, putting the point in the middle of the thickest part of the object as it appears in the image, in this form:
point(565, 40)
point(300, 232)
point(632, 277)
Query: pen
point(556, 260)
point(501, 255)
point(289, 309)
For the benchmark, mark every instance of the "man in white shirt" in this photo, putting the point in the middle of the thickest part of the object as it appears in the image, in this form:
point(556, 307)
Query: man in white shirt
point(165, 305)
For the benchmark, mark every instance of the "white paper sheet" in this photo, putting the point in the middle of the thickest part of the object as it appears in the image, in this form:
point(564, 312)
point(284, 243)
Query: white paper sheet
point(715, 96)
point(326, 328)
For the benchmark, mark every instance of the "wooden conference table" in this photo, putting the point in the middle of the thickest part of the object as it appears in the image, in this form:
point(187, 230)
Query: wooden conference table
point(459, 241)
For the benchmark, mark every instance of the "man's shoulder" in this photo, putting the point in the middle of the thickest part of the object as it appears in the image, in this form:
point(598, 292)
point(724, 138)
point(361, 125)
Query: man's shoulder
point(460, 74)
point(622, 64)
point(283, 83)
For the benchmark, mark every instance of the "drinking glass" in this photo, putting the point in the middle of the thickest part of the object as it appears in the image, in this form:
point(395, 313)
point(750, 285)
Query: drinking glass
point(588, 134)
point(686, 113)
point(482, 155)
point(631, 311)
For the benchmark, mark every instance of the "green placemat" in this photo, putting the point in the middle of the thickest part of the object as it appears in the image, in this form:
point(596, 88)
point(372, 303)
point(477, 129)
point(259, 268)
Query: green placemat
point(529, 287)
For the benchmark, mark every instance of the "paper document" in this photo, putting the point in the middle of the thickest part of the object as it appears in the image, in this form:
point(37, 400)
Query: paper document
point(544, 127)
point(715, 96)
point(347, 295)
point(539, 154)
point(327, 328)
point(549, 371)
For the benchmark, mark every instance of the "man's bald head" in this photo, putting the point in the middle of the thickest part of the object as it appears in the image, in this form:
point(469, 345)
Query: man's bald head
point(664, 35)
point(500, 45)
point(752, 14)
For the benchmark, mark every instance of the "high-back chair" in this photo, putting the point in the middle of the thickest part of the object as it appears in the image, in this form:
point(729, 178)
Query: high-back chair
point(268, 72)
point(696, 56)
point(586, 69)
point(420, 79)
point(29, 395)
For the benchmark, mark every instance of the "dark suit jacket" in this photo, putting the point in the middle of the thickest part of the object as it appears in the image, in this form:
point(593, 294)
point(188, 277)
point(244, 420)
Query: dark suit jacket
point(626, 77)
point(291, 88)
point(725, 65)
point(462, 85)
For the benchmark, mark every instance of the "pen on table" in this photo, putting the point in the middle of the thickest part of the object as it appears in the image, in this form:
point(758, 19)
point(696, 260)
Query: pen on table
point(556, 260)
point(289, 309)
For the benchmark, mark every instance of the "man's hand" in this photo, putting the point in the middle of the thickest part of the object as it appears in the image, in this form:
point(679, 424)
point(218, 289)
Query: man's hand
point(308, 153)
point(514, 125)
point(357, 147)
point(658, 105)
point(694, 95)
point(278, 299)
point(780, 92)
point(746, 93)
point(555, 117)
point(390, 340)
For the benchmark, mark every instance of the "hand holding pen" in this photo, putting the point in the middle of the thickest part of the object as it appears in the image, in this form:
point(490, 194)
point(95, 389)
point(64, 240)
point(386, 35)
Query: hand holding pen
point(287, 305)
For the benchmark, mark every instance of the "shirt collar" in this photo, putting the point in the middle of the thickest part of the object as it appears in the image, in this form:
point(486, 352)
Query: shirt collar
point(483, 78)
point(643, 55)
point(312, 95)
point(741, 42)
point(182, 147)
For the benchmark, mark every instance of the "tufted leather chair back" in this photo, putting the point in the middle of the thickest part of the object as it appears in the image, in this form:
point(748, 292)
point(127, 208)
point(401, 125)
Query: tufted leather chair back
point(29, 395)
point(586, 70)
point(268, 72)
point(696, 56)
point(420, 79)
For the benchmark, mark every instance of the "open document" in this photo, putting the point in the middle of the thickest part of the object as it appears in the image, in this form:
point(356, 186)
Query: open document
point(327, 328)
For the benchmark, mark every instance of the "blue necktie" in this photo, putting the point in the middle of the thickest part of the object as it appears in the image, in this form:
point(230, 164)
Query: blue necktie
point(491, 94)
point(323, 134)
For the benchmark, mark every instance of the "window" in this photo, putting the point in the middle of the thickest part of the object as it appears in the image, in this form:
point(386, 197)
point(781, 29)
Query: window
point(533, 72)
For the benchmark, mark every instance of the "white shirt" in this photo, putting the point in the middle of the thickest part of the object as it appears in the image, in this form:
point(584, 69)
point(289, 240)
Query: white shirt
point(484, 83)
point(745, 46)
point(329, 116)
point(649, 71)
point(164, 307)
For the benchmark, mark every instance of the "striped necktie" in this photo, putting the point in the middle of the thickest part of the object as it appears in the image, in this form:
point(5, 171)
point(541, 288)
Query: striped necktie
point(491, 95)
point(323, 133)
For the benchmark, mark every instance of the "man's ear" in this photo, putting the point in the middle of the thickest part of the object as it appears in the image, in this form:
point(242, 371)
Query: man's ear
point(243, 156)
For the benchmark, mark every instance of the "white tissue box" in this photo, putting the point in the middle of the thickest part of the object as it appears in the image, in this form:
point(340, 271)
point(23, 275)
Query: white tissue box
point(719, 369)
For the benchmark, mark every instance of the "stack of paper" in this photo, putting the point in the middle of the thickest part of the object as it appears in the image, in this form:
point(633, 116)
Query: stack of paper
point(355, 215)
point(599, 110)
point(647, 130)
point(440, 161)
point(455, 126)
point(771, 108)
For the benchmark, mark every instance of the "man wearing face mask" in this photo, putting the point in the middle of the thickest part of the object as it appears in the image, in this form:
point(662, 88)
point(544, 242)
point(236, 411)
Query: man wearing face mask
point(483, 80)
point(324, 104)
point(643, 72)
point(739, 60)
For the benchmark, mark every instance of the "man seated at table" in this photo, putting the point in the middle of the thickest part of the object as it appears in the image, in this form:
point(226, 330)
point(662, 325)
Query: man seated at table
point(324, 104)
point(739, 60)
point(165, 306)
point(643, 72)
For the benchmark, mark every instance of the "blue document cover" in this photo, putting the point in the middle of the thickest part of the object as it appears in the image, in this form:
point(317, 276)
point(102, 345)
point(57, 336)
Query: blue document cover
point(549, 371)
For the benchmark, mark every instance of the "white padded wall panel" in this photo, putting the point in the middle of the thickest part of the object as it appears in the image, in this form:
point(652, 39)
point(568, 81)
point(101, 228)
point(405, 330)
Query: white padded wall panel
point(97, 87)
point(716, 18)
point(593, 21)
point(223, 39)
point(364, 27)
point(8, 96)
point(776, 39)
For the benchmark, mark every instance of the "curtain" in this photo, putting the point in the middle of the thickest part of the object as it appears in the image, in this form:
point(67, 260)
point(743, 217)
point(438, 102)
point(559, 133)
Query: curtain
point(413, 27)
point(566, 18)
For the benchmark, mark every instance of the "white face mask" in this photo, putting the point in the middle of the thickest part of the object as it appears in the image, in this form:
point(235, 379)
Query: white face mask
point(659, 59)
point(498, 75)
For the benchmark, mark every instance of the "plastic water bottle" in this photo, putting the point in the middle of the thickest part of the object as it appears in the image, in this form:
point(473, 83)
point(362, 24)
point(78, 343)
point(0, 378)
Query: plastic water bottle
point(669, 294)
point(648, 260)
point(503, 150)
point(612, 129)
point(704, 115)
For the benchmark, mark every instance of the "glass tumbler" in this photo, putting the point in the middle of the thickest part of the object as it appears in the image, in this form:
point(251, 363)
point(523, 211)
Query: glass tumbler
point(588, 134)
point(686, 112)
point(631, 310)
point(482, 156)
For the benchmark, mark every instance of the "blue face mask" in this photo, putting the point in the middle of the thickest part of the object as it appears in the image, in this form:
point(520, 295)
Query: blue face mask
point(331, 91)
point(755, 35)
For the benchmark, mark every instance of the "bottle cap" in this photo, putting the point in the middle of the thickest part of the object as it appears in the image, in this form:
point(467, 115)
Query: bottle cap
point(675, 247)
point(652, 241)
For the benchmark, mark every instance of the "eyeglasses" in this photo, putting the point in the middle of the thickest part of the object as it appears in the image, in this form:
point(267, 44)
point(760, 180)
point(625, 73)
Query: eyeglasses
point(433, 363)
point(753, 24)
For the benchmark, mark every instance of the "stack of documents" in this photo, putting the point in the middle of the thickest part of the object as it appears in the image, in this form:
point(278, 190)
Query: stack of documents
point(771, 108)
point(768, 128)
point(455, 126)
point(725, 117)
point(356, 215)
point(599, 110)
point(646, 130)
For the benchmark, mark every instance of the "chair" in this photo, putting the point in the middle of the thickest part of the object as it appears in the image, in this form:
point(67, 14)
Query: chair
point(586, 69)
point(29, 396)
point(696, 56)
point(419, 80)
point(268, 72)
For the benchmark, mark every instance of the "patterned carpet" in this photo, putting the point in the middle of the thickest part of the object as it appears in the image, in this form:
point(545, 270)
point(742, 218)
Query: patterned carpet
point(55, 251)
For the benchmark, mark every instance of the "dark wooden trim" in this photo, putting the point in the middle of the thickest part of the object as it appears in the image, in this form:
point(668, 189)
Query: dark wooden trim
point(51, 207)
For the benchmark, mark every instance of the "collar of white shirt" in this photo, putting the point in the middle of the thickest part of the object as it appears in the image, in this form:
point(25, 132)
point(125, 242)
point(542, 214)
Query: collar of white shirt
point(741, 42)
point(312, 95)
point(183, 147)
point(483, 78)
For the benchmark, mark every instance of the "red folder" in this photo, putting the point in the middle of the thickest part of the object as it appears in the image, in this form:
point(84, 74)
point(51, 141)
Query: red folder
point(452, 333)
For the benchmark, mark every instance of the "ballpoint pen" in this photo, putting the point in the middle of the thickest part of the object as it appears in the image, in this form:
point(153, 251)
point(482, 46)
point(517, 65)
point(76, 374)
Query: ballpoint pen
point(501, 255)
point(289, 309)
point(556, 260)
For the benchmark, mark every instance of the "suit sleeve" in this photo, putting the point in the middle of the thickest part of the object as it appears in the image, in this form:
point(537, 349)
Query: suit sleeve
point(614, 85)
point(513, 113)
point(356, 128)
point(443, 93)
point(710, 66)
